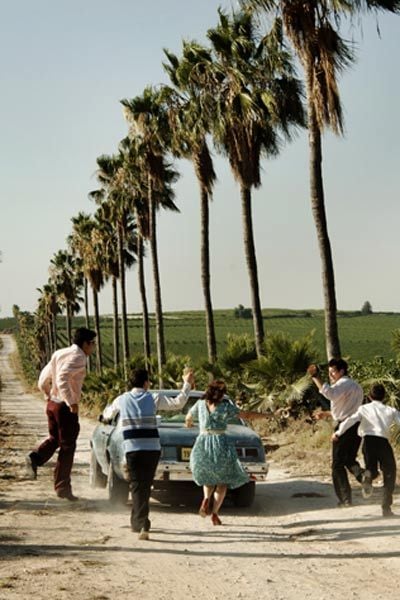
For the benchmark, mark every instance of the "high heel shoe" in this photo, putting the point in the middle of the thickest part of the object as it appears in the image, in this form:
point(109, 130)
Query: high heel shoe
point(215, 519)
point(204, 508)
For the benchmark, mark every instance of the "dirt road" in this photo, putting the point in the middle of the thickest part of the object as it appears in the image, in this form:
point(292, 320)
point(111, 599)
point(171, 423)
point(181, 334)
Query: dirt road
point(292, 544)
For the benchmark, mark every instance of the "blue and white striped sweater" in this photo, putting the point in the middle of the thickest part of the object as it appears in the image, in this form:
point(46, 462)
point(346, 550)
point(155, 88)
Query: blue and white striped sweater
point(138, 421)
point(137, 410)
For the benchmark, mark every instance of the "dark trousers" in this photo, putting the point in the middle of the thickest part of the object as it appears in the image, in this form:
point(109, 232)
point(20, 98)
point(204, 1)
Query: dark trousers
point(142, 467)
point(63, 432)
point(378, 452)
point(344, 453)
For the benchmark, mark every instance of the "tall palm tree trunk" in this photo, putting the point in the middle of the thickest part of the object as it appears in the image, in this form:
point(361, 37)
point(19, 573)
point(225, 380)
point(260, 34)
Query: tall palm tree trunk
point(145, 310)
point(121, 265)
point(251, 261)
point(49, 336)
point(86, 302)
point(99, 356)
point(54, 328)
point(87, 318)
point(205, 276)
point(68, 323)
point(115, 322)
point(157, 287)
point(332, 343)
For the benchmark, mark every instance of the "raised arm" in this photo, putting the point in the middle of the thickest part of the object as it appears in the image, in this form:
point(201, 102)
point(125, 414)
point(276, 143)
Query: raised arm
point(163, 402)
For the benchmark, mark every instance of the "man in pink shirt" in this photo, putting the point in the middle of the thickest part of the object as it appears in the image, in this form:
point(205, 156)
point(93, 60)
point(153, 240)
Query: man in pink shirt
point(61, 381)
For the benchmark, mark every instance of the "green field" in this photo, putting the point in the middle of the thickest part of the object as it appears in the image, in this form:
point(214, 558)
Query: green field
point(362, 337)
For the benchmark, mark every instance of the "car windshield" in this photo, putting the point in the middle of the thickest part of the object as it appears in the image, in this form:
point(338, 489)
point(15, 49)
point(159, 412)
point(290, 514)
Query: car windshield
point(179, 417)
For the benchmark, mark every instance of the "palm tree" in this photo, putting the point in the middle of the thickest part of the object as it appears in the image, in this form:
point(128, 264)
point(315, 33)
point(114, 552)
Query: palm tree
point(78, 242)
point(254, 101)
point(94, 269)
point(189, 129)
point(117, 212)
point(67, 280)
point(149, 123)
point(42, 331)
point(111, 267)
point(49, 307)
point(135, 182)
point(85, 241)
point(312, 28)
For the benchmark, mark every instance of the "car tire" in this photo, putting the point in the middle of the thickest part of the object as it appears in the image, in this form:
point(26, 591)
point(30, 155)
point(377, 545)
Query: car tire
point(118, 489)
point(97, 479)
point(244, 495)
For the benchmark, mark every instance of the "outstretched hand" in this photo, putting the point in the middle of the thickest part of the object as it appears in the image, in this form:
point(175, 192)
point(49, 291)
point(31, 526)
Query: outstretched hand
point(318, 415)
point(313, 370)
point(188, 377)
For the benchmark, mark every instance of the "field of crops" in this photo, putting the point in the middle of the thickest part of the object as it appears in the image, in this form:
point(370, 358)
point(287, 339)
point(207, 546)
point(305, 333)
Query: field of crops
point(362, 337)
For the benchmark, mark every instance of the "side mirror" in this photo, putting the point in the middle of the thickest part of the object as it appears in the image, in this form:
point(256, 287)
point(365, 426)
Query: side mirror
point(101, 418)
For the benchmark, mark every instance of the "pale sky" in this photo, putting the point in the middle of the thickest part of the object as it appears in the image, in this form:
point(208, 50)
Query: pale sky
point(65, 65)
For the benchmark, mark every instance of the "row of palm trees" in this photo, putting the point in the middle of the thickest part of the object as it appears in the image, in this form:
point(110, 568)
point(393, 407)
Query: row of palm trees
point(241, 92)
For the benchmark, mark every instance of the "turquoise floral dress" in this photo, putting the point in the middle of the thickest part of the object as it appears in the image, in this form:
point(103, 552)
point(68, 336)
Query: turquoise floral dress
point(213, 460)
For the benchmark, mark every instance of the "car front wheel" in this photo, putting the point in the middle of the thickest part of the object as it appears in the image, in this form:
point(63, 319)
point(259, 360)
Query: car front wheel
point(97, 479)
point(118, 489)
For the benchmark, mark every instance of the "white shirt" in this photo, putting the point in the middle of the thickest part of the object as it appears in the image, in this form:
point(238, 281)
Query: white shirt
point(345, 396)
point(375, 418)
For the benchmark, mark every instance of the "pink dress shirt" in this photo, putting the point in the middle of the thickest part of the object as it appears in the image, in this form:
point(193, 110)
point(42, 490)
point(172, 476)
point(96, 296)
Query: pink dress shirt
point(62, 378)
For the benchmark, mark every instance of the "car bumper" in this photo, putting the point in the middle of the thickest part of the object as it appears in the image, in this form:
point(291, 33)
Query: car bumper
point(177, 471)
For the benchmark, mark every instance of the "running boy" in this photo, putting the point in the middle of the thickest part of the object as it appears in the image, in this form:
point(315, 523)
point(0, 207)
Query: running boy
point(375, 420)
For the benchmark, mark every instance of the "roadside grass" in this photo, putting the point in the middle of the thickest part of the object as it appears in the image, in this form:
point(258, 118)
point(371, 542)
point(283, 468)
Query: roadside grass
point(302, 446)
point(15, 361)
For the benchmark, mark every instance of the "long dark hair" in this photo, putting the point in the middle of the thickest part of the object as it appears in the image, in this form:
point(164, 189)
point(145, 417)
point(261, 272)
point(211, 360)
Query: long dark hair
point(215, 392)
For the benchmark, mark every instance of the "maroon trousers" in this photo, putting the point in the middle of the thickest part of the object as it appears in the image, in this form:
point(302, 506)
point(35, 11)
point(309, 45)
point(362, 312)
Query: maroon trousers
point(63, 433)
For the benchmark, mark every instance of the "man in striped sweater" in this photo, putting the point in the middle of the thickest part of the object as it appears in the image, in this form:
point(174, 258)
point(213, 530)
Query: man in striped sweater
point(138, 409)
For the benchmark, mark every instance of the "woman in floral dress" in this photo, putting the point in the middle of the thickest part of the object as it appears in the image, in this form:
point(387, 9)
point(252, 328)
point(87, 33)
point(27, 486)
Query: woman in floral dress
point(213, 460)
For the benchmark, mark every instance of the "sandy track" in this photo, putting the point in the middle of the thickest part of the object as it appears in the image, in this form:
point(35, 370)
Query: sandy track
point(292, 544)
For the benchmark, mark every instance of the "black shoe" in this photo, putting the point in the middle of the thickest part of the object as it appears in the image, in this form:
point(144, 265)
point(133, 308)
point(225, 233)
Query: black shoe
point(366, 483)
point(31, 466)
point(345, 504)
point(387, 512)
point(68, 496)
